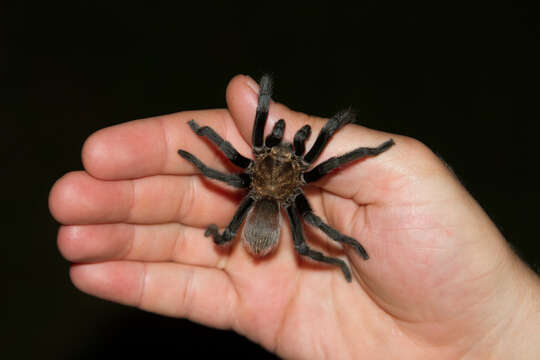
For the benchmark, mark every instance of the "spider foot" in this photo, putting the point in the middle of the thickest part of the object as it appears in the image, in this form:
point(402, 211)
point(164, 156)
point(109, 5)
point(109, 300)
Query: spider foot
point(344, 269)
point(358, 248)
point(194, 126)
point(219, 239)
point(318, 256)
point(346, 272)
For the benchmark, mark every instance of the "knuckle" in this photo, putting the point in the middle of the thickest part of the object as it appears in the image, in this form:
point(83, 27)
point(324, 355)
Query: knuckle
point(419, 157)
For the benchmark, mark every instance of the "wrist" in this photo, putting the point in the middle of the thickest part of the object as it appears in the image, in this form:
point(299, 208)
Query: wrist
point(516, 330)
point(522, 337)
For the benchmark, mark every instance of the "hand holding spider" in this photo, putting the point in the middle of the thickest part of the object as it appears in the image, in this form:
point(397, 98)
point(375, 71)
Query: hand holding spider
point(275, 178)
point(135, 223)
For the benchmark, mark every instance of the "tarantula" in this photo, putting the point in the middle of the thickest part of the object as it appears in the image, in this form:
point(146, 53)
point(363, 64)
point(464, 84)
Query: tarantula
point(275, 178)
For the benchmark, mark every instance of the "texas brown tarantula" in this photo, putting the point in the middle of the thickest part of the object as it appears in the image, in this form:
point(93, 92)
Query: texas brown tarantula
point(275, 178)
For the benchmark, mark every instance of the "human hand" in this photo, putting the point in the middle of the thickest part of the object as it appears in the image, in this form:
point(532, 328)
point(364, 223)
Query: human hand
point(440, 282)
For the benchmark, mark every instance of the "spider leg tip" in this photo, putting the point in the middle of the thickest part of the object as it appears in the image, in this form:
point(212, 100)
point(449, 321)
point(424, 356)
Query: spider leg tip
point(362, 252)
point(211, 230)
point(184, 154)
point(387, 144)
point(193, 125)
point(347, 273)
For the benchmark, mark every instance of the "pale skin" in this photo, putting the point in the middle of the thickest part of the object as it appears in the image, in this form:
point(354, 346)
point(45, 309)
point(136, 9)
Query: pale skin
point(441, 282)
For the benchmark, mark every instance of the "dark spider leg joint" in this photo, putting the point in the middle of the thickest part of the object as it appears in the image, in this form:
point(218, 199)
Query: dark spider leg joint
point(236, 180)
point(232, 228)
point(225, 146)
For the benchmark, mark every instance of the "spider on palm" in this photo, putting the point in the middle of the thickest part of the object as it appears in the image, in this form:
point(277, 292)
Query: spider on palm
point(275, 179)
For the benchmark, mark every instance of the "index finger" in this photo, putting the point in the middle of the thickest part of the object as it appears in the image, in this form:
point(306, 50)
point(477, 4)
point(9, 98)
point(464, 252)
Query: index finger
point(149, 146)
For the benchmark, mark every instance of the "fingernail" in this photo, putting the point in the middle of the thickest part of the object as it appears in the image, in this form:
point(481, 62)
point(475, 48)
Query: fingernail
point(252, 84)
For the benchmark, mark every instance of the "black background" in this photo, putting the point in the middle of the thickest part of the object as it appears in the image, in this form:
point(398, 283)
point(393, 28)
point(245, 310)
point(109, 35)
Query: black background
point(464, 80)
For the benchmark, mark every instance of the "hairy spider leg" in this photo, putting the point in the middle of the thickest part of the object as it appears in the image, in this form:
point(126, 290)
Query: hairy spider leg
point(300, 140)
point(265, 92)
point(305, 210)
point(277, 134)
point(232, 228)
point(334, 162)
point(236, 180)
point(230, 152)
point(333, 124)
point(303, 248)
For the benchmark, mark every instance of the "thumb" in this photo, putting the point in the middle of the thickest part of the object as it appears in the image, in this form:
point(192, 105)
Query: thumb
point(242, 98)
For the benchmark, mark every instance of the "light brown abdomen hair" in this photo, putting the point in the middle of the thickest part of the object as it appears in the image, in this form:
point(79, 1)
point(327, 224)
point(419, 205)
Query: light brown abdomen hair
point(261, 230)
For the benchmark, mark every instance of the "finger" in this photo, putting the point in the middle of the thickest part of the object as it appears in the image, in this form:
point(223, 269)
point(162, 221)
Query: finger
point(150, 243)
point(149, 146)
point(242, 97)
point(78, 198)
point(200, 294)
point(366, 180)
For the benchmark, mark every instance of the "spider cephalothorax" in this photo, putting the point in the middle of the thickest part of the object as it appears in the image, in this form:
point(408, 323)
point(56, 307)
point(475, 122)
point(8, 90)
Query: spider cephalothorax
point(275, 178)
point(276, 174)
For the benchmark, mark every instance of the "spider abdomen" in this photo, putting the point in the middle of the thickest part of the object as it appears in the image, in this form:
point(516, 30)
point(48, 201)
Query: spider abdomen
point(276, 174)
point(263, 224)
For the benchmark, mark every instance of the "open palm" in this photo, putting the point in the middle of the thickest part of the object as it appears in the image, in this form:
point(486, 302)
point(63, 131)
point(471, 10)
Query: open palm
point(134, 222)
